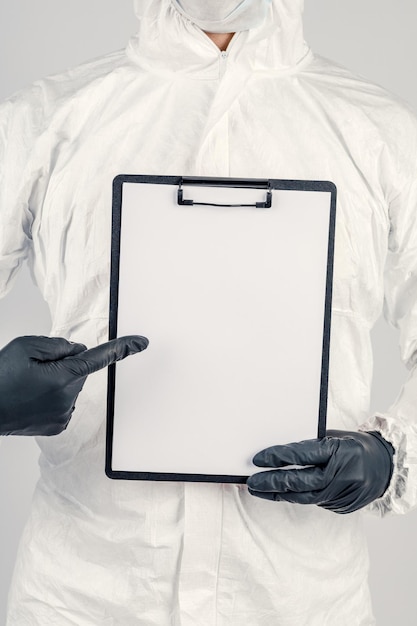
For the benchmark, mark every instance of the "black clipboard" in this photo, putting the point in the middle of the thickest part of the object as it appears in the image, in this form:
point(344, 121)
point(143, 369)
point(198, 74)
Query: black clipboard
point(149, 212)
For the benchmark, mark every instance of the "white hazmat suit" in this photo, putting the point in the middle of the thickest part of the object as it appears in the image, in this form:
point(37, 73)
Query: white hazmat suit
point(97, 551)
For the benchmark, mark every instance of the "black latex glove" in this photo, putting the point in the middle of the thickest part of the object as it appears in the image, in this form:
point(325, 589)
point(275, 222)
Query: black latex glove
point(41, 377)
point(350, 470)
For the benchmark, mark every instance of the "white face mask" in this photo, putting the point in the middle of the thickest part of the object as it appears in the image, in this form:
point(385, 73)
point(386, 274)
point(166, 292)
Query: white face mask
point(224, 16)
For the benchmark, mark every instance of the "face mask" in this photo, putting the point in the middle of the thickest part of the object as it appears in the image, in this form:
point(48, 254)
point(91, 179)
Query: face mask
point(224, 16)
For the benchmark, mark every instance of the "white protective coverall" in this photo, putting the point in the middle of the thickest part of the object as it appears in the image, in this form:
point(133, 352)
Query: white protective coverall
point(97, 551)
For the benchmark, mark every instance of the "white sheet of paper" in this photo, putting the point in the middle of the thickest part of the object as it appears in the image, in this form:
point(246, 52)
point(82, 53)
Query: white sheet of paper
point(232, 301)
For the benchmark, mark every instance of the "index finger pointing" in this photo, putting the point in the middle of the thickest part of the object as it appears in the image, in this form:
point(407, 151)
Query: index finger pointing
point(105, 354)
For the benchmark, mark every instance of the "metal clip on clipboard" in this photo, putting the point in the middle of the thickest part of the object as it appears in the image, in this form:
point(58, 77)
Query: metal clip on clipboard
point(226, 182)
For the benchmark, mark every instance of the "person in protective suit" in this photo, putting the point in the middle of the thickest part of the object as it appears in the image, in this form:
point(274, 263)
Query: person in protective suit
point(96, 551)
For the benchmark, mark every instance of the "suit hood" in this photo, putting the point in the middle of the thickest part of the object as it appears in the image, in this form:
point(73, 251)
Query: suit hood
point(169, 42)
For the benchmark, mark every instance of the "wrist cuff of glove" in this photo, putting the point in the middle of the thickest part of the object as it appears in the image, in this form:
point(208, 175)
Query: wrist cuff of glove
point(389, 448)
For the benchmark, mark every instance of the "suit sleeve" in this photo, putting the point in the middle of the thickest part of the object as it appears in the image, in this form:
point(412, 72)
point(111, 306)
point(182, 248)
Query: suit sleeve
point(20, 121)
point(399, 423)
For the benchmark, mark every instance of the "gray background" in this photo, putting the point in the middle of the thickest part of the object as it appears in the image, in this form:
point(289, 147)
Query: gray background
point(375, 38)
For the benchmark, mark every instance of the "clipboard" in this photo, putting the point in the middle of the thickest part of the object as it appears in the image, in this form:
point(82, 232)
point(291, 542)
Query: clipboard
point(231, 281)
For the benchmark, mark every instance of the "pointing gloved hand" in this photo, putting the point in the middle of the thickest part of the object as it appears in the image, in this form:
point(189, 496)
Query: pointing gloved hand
point(41, 377)
point(348, 471)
